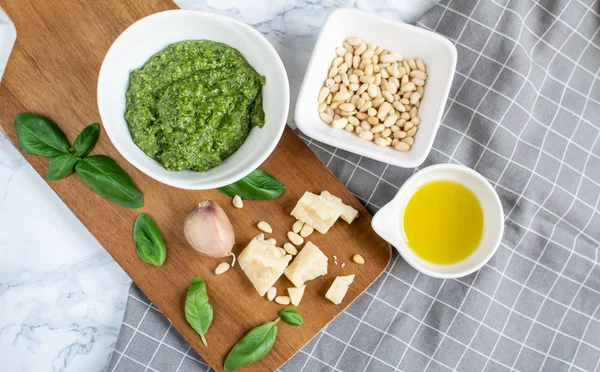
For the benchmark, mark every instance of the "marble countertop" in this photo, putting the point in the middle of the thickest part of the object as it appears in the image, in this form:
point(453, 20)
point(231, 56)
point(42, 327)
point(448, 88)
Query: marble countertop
point(62, 296)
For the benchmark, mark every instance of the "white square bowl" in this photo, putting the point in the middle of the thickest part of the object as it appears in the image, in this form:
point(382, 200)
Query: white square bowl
point(438, 53)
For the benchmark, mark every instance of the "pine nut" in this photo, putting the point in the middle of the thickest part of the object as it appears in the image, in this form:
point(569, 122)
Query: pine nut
point(358, 129)
point(341, 96)
point(326, 117)
point(222, 267)
point(368, 104)
point(412, 132)
point(360, 49)
point(339, 123)
point(365, 125)
point(341, 51)
point(347, 107)
point(362, 115)
point(405, 116)
point(372, 111)
point(388, 96)
point(367, 54)
point(390, 120)
point(386, 132)
point(349, 128)
point(297, 226)
point(264, 226)
point(333, 72)
point(402, 146)
point(409, 140)
point(290, 248)
point(355, 62)
point(418, 82)
point(282, 300)
point(366, 135)
point(373, 120)
point(388, 58)
point(416, 120)
point(348, 47)
point(415, 97)
point(399, 134)
point(348, 59)
point(377, 128)
point(345, 79)
point(237, 202)
point(408, 126)
point(384, 109)
point(354, 40)
point(353, 120)
point(421, 65)
point(408, 87)
point(343, 68)
point(272, 292)
point(413, 112)
point(381, 142)
point(368, 79)
point(353, 87)
point(323, 94)
point(295, 238)
point(306, 231)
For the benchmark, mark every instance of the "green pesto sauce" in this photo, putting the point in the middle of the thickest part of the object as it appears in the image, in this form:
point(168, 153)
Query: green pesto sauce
point(193, 104)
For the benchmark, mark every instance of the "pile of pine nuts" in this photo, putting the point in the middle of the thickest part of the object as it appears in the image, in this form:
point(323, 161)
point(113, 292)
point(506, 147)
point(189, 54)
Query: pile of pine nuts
point(374, 93)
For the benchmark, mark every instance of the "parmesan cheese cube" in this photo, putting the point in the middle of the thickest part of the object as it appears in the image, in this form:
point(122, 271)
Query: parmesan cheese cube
point(338, 289)
point(316, 212)
point(296, 294)
point(347, 213)
point(309, 264)
point(263, 264)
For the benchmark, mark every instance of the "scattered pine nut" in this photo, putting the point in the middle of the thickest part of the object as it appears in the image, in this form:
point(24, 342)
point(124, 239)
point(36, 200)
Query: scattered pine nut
point(222, 267)
point(271, 293)
point(290, 248)
point(357, 258)
point(297, 226)
point(264, 226)
point(306, 231)
point(295, 238)
point(282, 300)
point(237, 202)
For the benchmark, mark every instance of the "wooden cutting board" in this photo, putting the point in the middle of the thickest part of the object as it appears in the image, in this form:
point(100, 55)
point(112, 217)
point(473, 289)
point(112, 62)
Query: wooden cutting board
point(53, 71)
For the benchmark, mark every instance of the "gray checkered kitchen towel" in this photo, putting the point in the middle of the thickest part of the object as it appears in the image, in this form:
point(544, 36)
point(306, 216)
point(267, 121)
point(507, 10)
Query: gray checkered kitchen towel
point(524, 111)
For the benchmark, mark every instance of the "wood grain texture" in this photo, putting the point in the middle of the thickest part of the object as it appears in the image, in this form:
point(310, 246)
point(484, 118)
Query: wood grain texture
point(53, 71)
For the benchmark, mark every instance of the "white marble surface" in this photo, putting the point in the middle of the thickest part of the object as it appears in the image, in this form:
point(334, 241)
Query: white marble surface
point(62, 296)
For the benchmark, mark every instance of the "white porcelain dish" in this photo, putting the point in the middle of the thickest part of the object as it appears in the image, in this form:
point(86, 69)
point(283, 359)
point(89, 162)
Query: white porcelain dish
point(388, 221)
point(150, 35)
point(437, 52)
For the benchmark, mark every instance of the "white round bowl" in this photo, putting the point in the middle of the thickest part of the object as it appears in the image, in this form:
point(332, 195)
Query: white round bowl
point(150, 35)
point(388, 222)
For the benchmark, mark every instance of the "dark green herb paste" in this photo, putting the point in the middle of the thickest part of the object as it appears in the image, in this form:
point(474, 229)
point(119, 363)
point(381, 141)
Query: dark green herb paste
point(193, 104)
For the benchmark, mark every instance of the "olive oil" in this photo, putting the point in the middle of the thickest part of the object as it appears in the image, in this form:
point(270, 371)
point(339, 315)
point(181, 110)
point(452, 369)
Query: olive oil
point(443, 222)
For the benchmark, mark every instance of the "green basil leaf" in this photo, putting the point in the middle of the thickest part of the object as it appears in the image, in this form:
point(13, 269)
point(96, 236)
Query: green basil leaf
point(61, 166)
point(108, 179)
point(86, 140)
point(198, 311)
point(149, 244)
point(258, 185)
point(38, 135)
point(252, 347)
point(291, 317)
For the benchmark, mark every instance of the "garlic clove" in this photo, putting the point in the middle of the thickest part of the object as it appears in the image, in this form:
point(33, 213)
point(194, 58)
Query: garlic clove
point(209, 231)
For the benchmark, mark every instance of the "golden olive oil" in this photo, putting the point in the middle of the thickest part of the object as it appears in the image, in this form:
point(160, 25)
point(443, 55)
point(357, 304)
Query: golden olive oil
point(443, 222)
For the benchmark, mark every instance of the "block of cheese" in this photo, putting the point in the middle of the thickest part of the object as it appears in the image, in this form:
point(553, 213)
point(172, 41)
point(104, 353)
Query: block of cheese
point(263, 264)
point(296, 294)
point(316, 211)
point(309, 264)
point(338, 289)
point(348, 213)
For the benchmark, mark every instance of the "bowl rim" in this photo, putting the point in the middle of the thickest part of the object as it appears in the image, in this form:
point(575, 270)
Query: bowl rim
point(375, 153)
point(394, 204)
point(195, 184)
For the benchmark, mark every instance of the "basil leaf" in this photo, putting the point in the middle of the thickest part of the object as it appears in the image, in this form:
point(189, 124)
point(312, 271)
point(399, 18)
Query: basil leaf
point(149, 244)
point(61, 166)
point(86, 140)
point(108, 179)
point(252, 347)
point(38, 135)
point(291, 317)
point(198, 311)
point(258, 185)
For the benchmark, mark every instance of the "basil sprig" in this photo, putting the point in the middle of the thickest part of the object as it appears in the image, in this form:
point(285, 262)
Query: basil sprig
point(259, 341)
point(291, 317)
point(108, 179)
point(61, 166)
point(258, 185)
point(252, 347)
point(86, 140)
point(38, 135)
point(198, 311)
point(149, 244)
